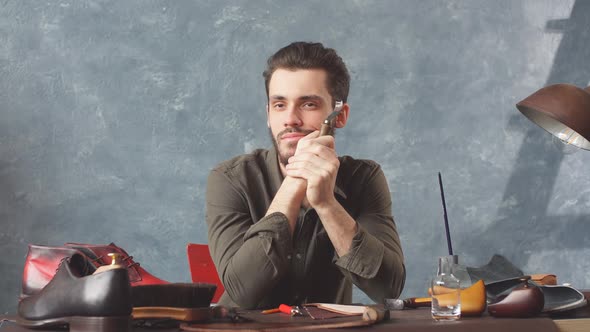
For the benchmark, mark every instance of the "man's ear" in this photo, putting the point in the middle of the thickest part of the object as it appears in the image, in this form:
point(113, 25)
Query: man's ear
point(342, 118)
point(267, 120)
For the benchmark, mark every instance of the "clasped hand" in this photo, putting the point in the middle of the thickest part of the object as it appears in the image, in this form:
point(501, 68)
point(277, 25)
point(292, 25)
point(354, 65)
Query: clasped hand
point(315, 161)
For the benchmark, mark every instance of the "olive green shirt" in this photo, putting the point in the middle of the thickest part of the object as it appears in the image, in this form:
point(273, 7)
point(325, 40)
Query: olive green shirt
point(261, 265)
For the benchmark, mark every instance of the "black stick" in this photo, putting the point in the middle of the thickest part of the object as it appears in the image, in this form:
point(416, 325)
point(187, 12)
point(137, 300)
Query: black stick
point(442, 195)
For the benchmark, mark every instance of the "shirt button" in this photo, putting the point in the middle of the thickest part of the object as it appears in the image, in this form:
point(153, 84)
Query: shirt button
point(288, 256)
point(298, 256)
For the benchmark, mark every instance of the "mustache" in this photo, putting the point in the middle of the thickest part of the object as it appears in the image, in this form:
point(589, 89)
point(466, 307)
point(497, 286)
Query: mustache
point(293, 130)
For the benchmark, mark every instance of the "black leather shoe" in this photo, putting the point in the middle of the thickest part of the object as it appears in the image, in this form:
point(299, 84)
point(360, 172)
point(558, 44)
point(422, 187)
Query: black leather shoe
point(152, 298)
point(85, 302)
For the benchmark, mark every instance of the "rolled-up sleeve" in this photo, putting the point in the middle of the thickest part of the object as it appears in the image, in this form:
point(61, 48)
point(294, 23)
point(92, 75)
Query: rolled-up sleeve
point(250, 256)
point(375, 262)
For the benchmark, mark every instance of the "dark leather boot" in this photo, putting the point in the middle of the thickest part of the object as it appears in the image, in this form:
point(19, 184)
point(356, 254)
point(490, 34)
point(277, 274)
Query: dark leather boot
point(84, 301)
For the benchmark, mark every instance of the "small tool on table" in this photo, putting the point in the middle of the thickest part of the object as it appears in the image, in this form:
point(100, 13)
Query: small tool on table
point(413, 302)
point(286, 309)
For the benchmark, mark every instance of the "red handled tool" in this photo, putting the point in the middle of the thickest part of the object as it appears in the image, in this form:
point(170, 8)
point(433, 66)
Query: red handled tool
point(291, 310)
point(286, 309)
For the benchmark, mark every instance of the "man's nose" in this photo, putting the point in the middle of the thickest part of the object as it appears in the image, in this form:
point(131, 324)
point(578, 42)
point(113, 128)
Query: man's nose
point(293, 117)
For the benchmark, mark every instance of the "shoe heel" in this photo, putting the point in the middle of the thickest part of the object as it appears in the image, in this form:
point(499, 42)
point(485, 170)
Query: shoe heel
point(100, 324)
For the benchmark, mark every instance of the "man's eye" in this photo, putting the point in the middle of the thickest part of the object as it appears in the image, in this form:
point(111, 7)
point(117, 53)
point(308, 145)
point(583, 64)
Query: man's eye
point(309, 105)
point(279, 106)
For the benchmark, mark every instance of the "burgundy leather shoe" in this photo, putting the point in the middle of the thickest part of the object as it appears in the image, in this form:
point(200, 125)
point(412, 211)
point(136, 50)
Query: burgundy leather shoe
point(84, 301)
point(137, 275)
point(42, 262)
point(41, 265)
point(151, 297)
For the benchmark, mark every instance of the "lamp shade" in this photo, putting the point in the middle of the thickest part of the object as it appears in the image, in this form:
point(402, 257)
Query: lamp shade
point(563, 110)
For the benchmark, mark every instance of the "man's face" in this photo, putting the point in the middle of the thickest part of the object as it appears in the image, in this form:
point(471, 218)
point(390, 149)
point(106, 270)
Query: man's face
point(298, 103)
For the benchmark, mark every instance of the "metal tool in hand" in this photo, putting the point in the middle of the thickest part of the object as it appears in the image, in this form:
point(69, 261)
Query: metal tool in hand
point(328, 124)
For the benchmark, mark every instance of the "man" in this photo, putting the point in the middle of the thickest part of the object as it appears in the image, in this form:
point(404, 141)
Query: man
point(297, 223)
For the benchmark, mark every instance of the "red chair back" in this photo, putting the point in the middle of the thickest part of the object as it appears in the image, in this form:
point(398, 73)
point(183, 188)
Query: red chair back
point(202, 268)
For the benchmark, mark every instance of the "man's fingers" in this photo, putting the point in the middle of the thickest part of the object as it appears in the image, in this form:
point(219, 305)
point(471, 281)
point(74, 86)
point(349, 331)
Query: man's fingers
point(310, 136)
point(314, 164)
point(315, 159)
point(314, 138)
point(320, 150)
point(313, 176)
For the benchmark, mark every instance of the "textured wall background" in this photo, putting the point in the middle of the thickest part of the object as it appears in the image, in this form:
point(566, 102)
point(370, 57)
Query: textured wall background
point(113, 112)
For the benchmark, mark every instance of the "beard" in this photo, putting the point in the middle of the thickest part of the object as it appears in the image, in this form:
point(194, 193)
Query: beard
point(286, 154)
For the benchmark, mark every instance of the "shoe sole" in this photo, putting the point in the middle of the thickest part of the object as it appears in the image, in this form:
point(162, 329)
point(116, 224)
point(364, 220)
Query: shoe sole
point(180, 314)
point(81, 324)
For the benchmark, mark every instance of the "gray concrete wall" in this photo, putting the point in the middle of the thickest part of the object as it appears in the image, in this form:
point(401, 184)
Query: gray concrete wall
point(112, 113)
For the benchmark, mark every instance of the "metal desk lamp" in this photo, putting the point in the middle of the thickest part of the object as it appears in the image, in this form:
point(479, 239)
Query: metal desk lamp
point(563, 110)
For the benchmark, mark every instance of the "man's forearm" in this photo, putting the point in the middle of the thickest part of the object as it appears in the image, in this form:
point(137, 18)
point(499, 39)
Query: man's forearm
point(377, 268)
point(339, 225)
point(288, 200)
point(384, 261)
point(260, 262)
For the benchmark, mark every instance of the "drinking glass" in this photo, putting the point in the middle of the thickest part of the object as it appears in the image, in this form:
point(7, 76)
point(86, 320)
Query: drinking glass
point(445, 292)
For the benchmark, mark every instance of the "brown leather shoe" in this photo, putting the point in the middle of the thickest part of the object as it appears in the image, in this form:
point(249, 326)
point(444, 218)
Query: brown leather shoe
point(97, 302)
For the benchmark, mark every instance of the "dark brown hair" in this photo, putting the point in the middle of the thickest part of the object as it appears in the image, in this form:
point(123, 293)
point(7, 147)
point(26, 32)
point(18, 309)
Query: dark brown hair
point(304, 55)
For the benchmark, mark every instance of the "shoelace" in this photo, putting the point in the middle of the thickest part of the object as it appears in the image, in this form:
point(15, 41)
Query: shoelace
point(61, 262)
point(130, 258)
